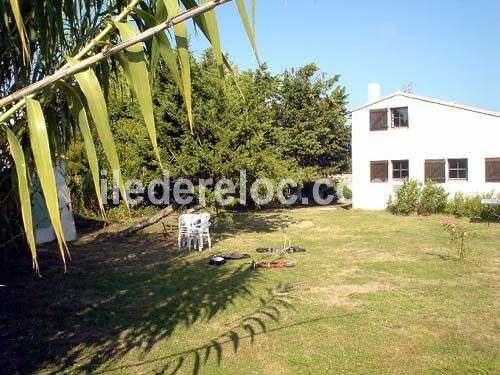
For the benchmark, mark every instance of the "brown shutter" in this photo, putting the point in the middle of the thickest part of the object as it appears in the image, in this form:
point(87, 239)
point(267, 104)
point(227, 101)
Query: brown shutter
point(378, 119)
point(379, 171)
point(492, 169)
point(435, 170)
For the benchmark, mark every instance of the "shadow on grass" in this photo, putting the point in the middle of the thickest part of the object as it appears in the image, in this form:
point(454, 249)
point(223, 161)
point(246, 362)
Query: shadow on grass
point(445, 257)
point(490, 221)
point(246, 330)
point(234, 223)
point(119, 295)
point(248, 326)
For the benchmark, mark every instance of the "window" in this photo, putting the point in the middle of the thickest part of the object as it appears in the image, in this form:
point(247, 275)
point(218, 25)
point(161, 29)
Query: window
point(492, 169)
point(400, 169)
point(457, 169)
point(399, 117)
point(379, 171)
point(435, 170)
point(378, 119)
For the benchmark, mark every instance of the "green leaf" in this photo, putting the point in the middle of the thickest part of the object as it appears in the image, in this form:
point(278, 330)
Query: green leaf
point(161, 44)
point(97, 105)
point(200, 22)
point(181, 39)
point(135, 64)
point(43, 161)
point(248, 27)
point(24, 194)
point(213, 32)
point(80, 115)
point(16, 10)
point(252, 4)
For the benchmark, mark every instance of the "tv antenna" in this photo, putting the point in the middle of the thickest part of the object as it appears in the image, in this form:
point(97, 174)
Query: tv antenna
point(408, 88)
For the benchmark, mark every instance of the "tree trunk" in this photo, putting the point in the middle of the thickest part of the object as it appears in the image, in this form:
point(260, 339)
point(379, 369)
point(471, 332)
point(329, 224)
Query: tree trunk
point(154, 219)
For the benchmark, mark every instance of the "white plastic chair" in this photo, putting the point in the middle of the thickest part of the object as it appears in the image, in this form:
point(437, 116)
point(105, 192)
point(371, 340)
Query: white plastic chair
point(200, 229)
point(186, 230)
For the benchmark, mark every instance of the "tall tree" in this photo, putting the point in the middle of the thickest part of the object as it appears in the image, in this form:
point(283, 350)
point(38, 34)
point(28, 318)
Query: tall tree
point(309, 120)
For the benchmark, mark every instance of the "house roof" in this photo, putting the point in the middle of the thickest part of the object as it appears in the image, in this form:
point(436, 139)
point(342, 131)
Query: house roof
point(431, 100)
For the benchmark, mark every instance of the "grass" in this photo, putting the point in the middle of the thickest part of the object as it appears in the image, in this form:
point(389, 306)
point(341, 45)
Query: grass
point(374, 293)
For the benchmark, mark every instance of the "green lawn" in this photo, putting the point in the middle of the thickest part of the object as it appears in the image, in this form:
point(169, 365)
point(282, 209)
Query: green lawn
point(373, 294)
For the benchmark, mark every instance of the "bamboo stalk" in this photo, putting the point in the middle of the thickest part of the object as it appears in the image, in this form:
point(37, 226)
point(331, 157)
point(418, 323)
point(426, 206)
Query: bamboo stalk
point(67, 71)
point(78, 56)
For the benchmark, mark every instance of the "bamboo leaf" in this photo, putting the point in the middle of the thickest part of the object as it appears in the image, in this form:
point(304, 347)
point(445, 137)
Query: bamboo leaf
point(181, 39)
point(97, 105)
point(200, 22)
point(248, 27)
point(138, 78)
point(24, 195)
point(213, 32)
point(43, 161)
point(80, 115)
point(161, 44)
point(16, 11)
point(252, 4)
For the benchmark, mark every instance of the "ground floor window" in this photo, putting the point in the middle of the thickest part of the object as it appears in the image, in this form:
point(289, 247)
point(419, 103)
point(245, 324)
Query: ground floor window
point(435, 170)
point(400, 169)
point(457, 169)
point(379, 171)
point(492, 172)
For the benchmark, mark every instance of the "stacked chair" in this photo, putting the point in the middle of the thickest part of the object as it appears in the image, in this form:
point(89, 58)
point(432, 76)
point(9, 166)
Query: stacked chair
point(193, 228)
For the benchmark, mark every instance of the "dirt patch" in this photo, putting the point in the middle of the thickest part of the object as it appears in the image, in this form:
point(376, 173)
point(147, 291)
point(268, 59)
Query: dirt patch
point(303, 224)
point(342, 295)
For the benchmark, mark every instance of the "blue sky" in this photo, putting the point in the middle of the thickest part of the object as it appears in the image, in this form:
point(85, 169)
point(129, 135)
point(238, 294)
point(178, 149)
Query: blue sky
point(448, 49)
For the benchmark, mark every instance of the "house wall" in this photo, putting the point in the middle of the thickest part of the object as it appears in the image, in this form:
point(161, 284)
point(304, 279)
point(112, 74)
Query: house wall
point(435, 132)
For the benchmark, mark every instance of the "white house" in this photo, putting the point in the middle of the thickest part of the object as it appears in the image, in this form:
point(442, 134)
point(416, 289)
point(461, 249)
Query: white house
point(405, 135)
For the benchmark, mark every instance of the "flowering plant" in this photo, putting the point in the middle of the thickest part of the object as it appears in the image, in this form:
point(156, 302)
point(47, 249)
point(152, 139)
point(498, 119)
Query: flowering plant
point(458, 237)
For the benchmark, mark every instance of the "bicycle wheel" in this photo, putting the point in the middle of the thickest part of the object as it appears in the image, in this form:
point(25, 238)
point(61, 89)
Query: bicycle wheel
point(283, 264)
point(266, 250)
point(235, 256)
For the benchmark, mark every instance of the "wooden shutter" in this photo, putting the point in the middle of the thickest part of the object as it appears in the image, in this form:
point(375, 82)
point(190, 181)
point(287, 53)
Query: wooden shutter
point(435, 170)
point(378, 119)
point(379, 171)
point(492, 172)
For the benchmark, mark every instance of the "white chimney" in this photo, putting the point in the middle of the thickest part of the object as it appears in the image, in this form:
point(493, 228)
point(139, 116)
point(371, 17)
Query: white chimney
point(373, 92)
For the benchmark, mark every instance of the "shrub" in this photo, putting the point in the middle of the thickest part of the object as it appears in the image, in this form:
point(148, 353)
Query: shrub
point(347, 193)
point(406, 197)
point(465, 205)
point(433, 199)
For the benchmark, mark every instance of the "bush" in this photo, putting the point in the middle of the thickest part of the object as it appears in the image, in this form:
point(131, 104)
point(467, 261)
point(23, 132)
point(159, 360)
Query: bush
point(406, 197)
point(347, 193)
point(465, 205)
point(433, 199)
point(470, 206)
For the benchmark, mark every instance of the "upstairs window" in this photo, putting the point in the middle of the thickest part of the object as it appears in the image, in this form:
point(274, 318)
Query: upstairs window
point(378, 119)
point(457, 169)
point(399, 117)
point(400, 169)
point(379, 171)
point(492, 169)
point(435, 170)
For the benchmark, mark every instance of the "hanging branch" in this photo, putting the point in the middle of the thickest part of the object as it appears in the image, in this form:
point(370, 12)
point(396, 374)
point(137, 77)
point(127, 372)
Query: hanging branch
point(67, 71)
